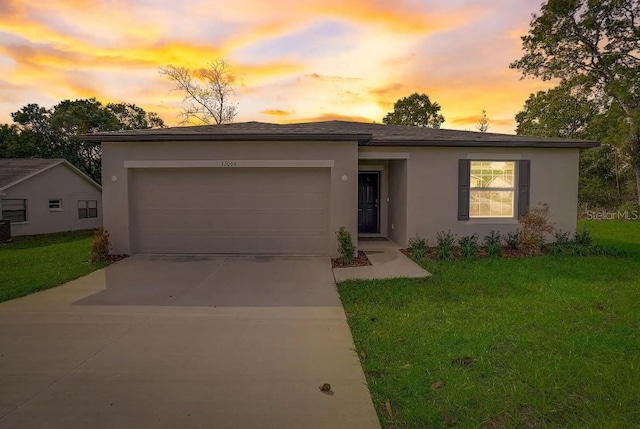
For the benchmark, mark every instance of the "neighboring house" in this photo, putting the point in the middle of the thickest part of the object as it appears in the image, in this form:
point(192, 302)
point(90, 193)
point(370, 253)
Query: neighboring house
point(40, 196)
point(266, 188)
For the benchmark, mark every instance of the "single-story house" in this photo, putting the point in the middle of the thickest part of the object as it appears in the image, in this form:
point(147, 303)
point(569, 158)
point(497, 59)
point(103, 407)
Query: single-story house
point(286, 189)
point(41, 196)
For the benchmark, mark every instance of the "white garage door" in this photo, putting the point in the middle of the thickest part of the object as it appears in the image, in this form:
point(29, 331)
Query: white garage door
point(230, 210)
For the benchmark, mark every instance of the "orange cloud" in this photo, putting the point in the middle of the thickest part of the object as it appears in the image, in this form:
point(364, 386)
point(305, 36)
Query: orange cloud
point(261, 32)
point(269, 69)
point(392, 16)
point(276, 112)
point(320, 77)
point(77, 13)
point(474, 119)
point(386, 96)
point(189, 55)
point(397, 90)
point(331, 117)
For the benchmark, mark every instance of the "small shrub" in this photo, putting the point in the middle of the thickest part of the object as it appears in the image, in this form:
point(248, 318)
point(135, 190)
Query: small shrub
point(418, 254)
point(579, 250)
point(493, 237)
point(100, 247)
point(492, 244)
point(417, 244)
point(512, 239)
point(494, 250)
point(582, 237)
point(346, 248)
point(469, 246)
point(534, 226)
point(444, 248)
point(561, 238)
point(556, 249)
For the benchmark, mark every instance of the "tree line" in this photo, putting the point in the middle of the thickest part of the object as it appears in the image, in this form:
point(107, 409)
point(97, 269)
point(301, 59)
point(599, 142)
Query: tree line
point(38, 132)
point(593, 49)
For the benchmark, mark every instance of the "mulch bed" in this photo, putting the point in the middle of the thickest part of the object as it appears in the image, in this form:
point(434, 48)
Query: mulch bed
point(360, 260)
point(432, 253)
point(112, 259)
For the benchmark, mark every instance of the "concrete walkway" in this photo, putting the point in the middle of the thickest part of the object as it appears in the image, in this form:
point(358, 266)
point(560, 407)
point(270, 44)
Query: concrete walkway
point(184, 342)
point(386, 262)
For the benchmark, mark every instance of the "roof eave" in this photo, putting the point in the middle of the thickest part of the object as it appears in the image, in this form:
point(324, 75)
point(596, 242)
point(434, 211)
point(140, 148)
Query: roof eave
point(157, 137)
point(567, 144)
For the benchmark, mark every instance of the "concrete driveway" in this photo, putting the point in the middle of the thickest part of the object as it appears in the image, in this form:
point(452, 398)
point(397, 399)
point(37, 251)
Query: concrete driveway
point(184, 342)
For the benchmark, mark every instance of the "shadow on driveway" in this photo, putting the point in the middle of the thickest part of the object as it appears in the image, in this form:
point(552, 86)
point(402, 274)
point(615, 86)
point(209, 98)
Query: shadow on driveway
point(217, 281)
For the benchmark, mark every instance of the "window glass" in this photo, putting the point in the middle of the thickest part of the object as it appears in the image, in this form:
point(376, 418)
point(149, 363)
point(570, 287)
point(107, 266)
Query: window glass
point(93, 208)
point(55, 204)
point(492, 189)
point(82, 210)
point(87, 209)
point(491, 204)
point(14, 210)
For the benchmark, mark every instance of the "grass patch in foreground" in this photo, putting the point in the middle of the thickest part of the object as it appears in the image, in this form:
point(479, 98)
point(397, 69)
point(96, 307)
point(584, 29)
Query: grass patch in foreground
point(553, 341)
point(34, 263)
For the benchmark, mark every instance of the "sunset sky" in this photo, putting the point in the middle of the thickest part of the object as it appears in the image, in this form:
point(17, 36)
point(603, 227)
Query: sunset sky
point(295, 60)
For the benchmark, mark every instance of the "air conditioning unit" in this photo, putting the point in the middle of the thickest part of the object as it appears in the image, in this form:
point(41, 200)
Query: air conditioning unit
point(5, 230)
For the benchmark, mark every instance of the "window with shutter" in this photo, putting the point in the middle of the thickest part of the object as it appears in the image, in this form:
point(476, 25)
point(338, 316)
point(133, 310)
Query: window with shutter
point(487, 188)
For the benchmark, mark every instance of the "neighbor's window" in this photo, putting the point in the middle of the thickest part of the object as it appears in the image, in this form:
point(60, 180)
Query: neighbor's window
point(87, 209)
point(14, 210)
point(492, 192)
point(55, 205)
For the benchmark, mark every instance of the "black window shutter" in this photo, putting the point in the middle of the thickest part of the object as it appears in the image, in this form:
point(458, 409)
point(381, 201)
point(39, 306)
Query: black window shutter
point(464, 185)
point(524, 179)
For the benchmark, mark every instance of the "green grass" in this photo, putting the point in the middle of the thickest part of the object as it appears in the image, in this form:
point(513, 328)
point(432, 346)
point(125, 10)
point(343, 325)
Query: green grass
point(555, 341)
point(34, 263)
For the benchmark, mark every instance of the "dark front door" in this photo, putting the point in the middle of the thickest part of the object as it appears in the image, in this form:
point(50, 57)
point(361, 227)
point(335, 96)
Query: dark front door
point(368, 184)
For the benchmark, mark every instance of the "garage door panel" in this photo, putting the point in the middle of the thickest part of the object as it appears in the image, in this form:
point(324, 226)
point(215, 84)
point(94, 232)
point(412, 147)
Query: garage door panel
point(235, 244)
point(240, 179)
point(204, 220)
point(231, 210)
point(186, 200)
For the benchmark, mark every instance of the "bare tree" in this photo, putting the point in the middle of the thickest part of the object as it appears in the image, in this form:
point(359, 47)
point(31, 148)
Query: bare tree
point(207, 92)
point(483, 123)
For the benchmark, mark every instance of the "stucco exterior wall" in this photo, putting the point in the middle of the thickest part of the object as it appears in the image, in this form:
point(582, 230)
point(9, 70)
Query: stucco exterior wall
point(432, 189)
point(422, 190)
point(117, 178)
point(398, 200)
point(58, 182)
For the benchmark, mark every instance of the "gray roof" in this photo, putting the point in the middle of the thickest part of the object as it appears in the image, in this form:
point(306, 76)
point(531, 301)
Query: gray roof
point(367, 134)
point(16, 170)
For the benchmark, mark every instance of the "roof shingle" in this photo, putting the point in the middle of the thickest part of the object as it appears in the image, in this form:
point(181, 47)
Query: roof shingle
point(13, 170)
point(367, 134)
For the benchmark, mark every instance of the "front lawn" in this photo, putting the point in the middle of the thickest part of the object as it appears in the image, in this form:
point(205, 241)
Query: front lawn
point(34, 263)
point(550, 341)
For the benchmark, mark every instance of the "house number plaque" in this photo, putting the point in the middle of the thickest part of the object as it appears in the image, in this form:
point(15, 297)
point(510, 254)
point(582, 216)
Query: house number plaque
point(229, 163)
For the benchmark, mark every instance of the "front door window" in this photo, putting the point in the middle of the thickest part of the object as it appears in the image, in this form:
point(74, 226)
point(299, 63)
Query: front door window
point(368, 202)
